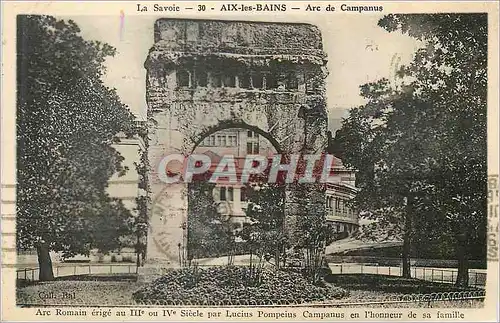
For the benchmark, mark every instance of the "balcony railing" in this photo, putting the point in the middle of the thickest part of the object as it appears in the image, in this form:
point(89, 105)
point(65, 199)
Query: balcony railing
point(332, 215)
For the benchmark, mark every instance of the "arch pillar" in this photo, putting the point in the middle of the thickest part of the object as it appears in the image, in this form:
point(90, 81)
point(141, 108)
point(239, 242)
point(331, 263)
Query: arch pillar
point(179, 116)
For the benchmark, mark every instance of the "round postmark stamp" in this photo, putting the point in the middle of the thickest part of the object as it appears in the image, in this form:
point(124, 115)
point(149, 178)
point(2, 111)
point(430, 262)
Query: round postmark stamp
point(167, 223)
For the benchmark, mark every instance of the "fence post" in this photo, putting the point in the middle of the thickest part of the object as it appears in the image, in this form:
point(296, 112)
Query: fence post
point(424, 273)
point(341, 268)
point(442, 276)
point(90, 270)
point(74, 270)
point(432, 274)
point(25, 274)
point(452, 279)
point(33, 275)
point(377, 269)
point(389, 270)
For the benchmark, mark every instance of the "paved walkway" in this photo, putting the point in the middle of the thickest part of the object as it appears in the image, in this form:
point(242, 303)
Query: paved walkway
point(477, 277)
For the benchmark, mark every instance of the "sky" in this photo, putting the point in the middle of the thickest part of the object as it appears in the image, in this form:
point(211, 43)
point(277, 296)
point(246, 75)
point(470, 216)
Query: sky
point(358, 52)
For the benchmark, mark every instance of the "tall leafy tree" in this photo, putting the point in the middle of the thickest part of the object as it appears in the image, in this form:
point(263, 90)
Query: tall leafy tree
point(265, 231)
point(208, 230)
point(67, 120)
point(426, 141)
point(450, 74)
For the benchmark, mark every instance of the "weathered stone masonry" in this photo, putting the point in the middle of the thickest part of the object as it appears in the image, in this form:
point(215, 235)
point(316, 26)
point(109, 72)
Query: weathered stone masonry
point(204, 76)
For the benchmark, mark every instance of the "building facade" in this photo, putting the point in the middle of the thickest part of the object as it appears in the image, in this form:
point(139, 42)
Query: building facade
point(231, 198)
point(342, 218)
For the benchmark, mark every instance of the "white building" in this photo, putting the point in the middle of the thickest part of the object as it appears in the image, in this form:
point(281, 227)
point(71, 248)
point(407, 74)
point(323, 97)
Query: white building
point(232, 198)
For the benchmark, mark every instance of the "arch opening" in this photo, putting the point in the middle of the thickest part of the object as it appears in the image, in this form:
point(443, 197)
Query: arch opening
point(218, 213)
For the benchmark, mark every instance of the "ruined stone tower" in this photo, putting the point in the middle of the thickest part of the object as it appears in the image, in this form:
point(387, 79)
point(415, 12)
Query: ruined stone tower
point(204, 76)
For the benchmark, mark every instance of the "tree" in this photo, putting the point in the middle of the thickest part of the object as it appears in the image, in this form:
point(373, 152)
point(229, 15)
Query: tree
point(427, 138)
point(208, 231)
point(139, 224)
point(67, 120)
point(377, 140)
point(450, 73)
point(264, 233)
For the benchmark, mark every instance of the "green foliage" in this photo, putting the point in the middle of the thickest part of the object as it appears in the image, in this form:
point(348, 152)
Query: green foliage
point(208, 231)
point(67, 120)
point(230, 285)
point(264, 233)
point(139, 224)
point(314, 234)
point(420, 148)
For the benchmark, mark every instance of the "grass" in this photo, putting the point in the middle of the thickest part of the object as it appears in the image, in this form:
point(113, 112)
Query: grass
point(101, 291)
point(391, 284)
point(366, 288)
point(88, 293)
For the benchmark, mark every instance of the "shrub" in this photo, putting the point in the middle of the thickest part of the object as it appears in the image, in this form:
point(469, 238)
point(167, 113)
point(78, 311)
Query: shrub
point(233, 285)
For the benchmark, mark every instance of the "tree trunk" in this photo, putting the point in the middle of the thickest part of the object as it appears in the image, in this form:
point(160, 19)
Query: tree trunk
point(44, 262)
point(406, 255)
point(407, 240)
point(463, 261)
point(138, 252)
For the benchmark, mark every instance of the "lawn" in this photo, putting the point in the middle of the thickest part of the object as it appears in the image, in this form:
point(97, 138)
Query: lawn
point(391, 284)
point(362, 288)
point(365, 288)
point(103, 290)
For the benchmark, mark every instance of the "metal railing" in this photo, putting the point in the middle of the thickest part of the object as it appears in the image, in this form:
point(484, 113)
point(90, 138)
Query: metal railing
point(476, 279)
point(32, 274)
point(423, 300)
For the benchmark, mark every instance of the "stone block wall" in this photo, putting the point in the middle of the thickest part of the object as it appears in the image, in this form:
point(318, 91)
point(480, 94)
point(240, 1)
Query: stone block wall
point(204, 76)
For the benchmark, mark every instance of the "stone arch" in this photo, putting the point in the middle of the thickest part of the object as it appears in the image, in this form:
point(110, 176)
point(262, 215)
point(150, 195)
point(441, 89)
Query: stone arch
point(235, 124)
point(223, 201)
point(293, 119)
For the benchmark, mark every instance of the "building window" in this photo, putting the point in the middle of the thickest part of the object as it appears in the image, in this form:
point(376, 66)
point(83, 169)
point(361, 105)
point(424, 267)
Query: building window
point(252, 135)
point(312, 85)
point(229, 80)
point(220, 140)
point(232, 140)
point(183, 78)
point(216, 79)
point(257, 81)
point(252, 143)
point(271, 81)
point(243, 194)
point(244, 81)
point(253, 148)
point(292, 82)
point(201, 78)
point(226, 194)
